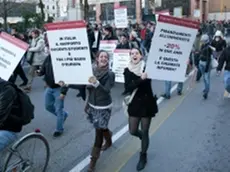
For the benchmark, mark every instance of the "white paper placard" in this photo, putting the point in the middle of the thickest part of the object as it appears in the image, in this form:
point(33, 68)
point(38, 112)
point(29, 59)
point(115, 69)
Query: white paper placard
point(70, 54)
point(109, 46)
point(170, 49)
point(121, 17)
point(11, 52)
point(121, 59)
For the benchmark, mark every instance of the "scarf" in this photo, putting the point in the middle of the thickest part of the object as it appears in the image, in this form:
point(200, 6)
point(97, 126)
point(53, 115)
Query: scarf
point(138, 68)
point(99, 72)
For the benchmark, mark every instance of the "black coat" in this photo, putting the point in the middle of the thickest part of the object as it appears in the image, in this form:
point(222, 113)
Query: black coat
point(9, 108)
point(144, 103)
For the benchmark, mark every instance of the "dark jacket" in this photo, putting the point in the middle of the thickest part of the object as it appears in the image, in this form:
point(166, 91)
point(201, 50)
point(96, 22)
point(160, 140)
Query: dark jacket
point(144, 103)
point(47, 71)
point(224, 58)
point(205, 55)
point(123, 46)
point(101, 96)
point(9, 108)
point(110, 37)
point(219, 45)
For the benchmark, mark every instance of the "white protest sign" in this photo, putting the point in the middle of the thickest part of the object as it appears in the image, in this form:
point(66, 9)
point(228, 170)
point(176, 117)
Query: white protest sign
point(171, 46)
point(121, 17)
point(121, 59)
point(70, 54)
point(11, 52)
point(109, 46)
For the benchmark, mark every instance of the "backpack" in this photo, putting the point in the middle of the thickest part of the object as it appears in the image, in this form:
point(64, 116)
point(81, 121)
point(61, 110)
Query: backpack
point(26, 106)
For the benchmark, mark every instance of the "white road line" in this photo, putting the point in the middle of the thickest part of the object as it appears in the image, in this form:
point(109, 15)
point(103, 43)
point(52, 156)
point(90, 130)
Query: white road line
point(118, 135)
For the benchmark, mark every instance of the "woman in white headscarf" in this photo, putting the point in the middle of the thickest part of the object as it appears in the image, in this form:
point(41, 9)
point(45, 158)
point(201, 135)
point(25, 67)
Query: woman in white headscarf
point(218, 43)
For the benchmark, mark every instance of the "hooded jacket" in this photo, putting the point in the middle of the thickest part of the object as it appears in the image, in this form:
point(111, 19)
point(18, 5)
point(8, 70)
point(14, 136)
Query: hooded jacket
point(9, 108)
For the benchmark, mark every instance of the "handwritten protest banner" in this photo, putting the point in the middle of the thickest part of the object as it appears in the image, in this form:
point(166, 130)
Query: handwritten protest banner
point(69, 49)
point(121, 59)
point(11, 52)
point(121, 17)
point(109, 46)
point(170, 49)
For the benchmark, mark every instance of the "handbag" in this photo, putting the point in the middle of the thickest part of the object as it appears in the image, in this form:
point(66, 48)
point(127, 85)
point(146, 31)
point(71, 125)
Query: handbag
point(214, 63)
point(127, 100)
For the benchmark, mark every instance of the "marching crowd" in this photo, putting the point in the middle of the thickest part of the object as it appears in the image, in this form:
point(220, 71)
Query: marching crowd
point(139, 98)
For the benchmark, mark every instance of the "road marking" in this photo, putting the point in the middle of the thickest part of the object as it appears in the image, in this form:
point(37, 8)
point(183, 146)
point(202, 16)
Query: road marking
point(119, 134)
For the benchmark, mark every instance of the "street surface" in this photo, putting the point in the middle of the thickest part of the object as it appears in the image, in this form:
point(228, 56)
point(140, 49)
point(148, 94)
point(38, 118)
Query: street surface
point(75, 144)
point(188, 135)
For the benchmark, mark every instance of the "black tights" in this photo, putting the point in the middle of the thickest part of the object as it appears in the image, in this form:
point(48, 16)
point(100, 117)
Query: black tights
point(99, 137)
point(143, 134)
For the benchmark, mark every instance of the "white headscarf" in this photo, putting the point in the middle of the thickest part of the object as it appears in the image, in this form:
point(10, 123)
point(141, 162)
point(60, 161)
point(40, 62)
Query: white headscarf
point(138, 68)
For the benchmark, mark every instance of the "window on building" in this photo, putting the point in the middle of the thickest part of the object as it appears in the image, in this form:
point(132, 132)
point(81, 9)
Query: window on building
point(53, 7)
point(53, 15)
point(47, 7)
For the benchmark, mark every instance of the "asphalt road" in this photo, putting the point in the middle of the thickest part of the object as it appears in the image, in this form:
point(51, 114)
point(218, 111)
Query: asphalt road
point(68, 150)
point(188, 135)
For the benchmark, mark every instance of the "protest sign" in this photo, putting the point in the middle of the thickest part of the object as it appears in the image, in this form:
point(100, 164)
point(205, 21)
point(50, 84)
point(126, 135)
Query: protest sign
point(109, 46)
point(11, 52)
point(171, 46)
point(70, 54)
point(121, 17)
point(121, 60)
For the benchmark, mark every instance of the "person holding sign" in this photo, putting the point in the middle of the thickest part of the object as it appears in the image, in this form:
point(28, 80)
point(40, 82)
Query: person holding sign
point(99, 105)
point(143, 105)
point(54, 96)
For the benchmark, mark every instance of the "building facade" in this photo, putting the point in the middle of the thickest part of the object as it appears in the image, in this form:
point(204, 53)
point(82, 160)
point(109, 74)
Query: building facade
point(54, 8)
point(219, 10)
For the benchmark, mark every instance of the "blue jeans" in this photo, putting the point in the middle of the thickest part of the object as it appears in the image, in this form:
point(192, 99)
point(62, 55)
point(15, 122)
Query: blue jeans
point(6, 138)
point(55, 105)
point(168, 86)
point(206, 77)
point(227, 81)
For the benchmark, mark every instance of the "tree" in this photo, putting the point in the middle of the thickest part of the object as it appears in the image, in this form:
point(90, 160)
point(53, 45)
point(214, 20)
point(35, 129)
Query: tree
point(85, 5)
point(5, 8)
point(42, 6)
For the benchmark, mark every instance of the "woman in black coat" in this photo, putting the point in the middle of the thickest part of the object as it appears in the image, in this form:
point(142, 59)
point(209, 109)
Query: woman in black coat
point(143, 105)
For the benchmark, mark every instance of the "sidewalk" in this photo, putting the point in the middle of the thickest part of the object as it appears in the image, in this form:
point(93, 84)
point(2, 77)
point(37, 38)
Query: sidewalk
point(188, 135)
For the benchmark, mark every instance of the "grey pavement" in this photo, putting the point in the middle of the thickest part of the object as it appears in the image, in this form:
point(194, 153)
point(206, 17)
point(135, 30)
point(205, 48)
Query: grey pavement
point(188, 135)
point(68, 150)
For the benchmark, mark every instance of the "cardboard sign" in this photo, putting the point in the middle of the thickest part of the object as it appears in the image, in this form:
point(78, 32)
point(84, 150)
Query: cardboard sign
point(121, 17)
point(121, 59)
point(171, 46)
point(11, 52)
point(109, 46)
point(70, 53)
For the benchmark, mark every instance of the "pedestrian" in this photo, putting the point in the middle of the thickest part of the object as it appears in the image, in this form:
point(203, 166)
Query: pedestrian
point(35, 56)
point(54, 96)
point(99, 105)
point(225, 59)
point(143, 105)
point(205, 63)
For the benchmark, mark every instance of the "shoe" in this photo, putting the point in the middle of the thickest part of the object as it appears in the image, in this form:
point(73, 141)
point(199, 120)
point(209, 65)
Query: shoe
point(142, 161)
point(165, 96)
point(57, 134)
point(205, 96)
point(179, 93)
point(108, 140)
point(95, 154)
